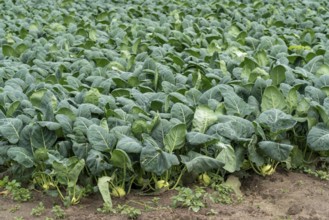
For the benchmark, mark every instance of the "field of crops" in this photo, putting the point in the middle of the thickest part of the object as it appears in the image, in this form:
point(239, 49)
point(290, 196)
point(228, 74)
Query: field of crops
point(108, 96)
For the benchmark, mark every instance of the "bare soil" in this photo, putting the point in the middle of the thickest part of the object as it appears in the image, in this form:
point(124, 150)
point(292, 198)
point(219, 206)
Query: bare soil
point(284, 195)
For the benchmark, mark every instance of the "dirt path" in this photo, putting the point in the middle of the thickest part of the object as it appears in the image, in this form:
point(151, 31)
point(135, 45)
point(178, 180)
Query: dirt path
point(281, 196)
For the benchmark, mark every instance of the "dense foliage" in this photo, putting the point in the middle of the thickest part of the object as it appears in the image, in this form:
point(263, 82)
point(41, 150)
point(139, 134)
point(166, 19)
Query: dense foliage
point(138, 92)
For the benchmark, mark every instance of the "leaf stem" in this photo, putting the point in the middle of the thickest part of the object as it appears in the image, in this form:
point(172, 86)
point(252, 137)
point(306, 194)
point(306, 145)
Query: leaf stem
point(179, 178)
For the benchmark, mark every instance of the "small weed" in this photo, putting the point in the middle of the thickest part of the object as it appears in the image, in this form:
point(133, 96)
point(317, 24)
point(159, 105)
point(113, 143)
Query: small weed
point(19, 218)
point(21, 195)
point(38, 210)
point(223, 195)
point(155, 201)
point(212, 212)
point(49, 218)
point(58, 212)
point(106, 208)
point(300, 183)
point(284, 190)
point(130, 211)
point(14, 189)
point(323, 175)
point(14, 208)
point(188, 198)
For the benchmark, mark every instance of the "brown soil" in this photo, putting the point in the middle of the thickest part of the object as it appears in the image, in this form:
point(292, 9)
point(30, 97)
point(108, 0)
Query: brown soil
point(281, 196)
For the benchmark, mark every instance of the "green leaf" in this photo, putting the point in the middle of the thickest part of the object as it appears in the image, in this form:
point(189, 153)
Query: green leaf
point(203, 118)
point(253, 153)
point(10, 129)
point(175, 139)
point(292, 98)
point(12, 108)
point(155, 160)
point(8, 51)
point(233, 128)
point(183, 113)
point(198, 163)
point(52, 126)
point(276, 121)
point(197, 138)
point(100, 139)
point(273, 99)
point(235, 105)
point(276, 151)
point(42, 137)
point(315, 94)
point(120, 159)
point(104, 189)
point(129, 145)
point(227, 157)
point(74, 173)
point(97, 162)
point(21, 156)
point(278, 75)
point(65, 123)
point(318, 138)
point(92, 96)
point(160, 130)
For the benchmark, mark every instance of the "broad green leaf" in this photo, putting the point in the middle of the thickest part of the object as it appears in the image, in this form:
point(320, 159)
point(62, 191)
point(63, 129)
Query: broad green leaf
point(203, 118)
point(104, 189)
point(155, 160)
point(199, 163)
point(303, 107)
point(323, 112)
point(92, 96)
point(262, 58)
point(119, 158)
point(213, 93)
point(315, 94)
point(193, 96)
point(273, 99)
point(81, 149)
point(65, 123)
point(253, 153)
point(175, 139)
point(318, 138)
point(74, 173)
point(52, 126)
point(183, 113)
point(323, 70)
point(10, 129)
point(227, 157)
point(100, 139)
point(197, 138)
point(248, 65)
point(8, 51)
point(65, 167)
point(233, 128)
point(97, 162)
point(21, 156)
point(292, 98)
point(314, 64)
point(3, 154)
point(129, 145)
point(278, 75)
point(86, 110)
point(276, 121)
point(235, 105)
point(12, 108)
point(160, 130)
point(276, 151)
point(80, 128)
point(42, 137)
